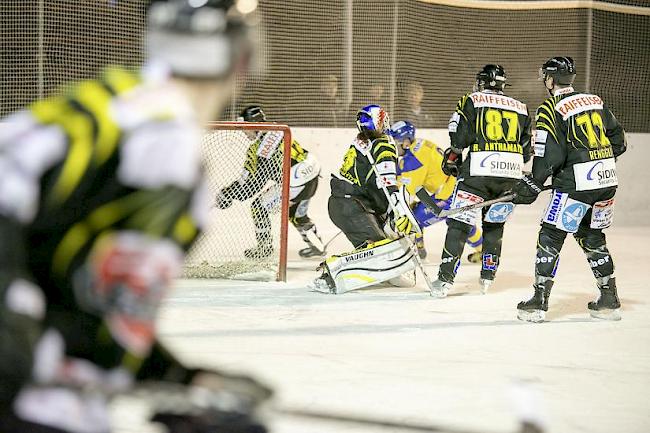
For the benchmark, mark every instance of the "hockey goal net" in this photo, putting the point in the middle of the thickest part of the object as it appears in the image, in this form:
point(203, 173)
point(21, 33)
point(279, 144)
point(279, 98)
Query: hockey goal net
point(253, 158)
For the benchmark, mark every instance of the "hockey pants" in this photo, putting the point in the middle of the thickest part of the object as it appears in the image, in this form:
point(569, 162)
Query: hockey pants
point(359, 224)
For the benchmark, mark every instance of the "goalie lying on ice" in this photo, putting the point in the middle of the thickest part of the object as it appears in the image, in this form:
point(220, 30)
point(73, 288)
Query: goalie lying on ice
point(365, 198)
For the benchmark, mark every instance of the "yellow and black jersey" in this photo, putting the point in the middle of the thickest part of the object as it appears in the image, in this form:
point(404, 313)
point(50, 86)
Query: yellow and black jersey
point(496, 130)
point(263, 163)
point(577, 139)
point(116, 154)
point(357, 178)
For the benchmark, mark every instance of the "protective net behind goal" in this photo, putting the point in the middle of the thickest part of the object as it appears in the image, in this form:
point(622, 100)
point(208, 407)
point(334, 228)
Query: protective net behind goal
point(247, 167)
point(322, 60)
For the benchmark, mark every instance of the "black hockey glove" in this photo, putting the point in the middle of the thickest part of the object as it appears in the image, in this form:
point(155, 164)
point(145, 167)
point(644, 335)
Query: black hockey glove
point(451, 162)
point(526, 190)
point(223, 199)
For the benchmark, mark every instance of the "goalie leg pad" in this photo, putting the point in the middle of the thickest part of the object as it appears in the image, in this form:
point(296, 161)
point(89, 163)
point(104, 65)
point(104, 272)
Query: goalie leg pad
point(378, 262)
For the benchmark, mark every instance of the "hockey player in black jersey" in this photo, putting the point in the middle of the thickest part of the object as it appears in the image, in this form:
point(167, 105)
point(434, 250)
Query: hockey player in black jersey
point(365, 200)
point(494, 129)
point(101, 192)
point(577, 141)
point(261, 178)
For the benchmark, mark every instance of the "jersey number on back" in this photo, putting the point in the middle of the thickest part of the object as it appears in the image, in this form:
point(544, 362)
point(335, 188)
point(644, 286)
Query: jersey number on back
point(588, 123)
point(501, 124)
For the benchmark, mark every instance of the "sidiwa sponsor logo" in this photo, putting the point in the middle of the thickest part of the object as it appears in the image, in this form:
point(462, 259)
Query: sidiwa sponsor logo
point(601, 174)
point(358, 256)
point(494, 162)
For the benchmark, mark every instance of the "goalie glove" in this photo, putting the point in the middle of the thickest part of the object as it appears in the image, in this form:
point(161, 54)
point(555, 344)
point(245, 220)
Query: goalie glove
point(451, 162)
point(403, 220)
point(526, 190)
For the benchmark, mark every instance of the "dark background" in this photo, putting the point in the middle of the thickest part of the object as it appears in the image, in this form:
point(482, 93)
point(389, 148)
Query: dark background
point(303, 46)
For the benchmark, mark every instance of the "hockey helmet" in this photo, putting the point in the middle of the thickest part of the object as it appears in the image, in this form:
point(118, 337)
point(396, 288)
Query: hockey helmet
point(491, 77)
point(199, 39)
point(402, 130)
point(562, 69)
point(252, 113)
point(372, 120)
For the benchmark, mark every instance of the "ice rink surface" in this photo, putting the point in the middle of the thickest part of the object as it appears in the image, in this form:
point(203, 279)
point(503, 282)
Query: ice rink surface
point(401, 355)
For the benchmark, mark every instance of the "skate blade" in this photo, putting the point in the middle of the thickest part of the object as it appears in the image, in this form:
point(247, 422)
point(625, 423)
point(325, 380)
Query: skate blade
point(484, 285)
point(534, 316)
point(321, 286)
point(613, 315)
point(438, 293)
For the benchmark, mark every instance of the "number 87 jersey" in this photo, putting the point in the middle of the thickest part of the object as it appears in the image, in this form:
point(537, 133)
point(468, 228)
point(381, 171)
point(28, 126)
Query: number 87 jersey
point(577, 139)
point(496, 129)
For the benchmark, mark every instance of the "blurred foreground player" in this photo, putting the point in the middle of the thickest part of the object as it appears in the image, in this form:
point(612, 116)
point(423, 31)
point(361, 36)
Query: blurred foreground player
point(420, 165)
point(100, 195)
point(495, 129)
point(577, 141)
point(262, 178)
point(365, 197)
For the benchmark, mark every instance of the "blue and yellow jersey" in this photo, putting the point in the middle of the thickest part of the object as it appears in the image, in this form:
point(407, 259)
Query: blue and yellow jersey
point(421, 166)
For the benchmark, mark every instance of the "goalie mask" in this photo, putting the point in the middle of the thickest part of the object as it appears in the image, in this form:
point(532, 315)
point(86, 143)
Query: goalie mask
point(372, 121)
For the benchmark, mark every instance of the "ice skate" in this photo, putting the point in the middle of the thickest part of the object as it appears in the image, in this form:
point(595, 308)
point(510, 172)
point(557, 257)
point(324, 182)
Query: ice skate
point(607, 307)
point(310, 252)
point(484, 284)
point(261, 251)
point(440, 289)
point(534, 310)
point(320, 284)
point(475, 257)
point(324, 283)
point(315, 246)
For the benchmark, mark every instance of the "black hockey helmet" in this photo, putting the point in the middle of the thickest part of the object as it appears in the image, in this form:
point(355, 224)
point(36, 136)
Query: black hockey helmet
point(198, 39)
point(252, 113)
point(491, 77)
point(562, 69)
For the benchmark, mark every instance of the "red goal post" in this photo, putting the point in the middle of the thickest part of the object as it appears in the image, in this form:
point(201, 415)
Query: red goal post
point(221, 252)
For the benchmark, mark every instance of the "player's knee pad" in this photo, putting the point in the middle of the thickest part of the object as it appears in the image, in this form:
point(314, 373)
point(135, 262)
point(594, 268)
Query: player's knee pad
point(549, 245)
point(492, 238)
point(378, 262)
point(492, 232)
point(594, 246)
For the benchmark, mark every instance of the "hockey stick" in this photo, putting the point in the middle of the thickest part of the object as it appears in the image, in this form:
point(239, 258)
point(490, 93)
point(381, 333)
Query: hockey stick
point(383, 424)
point(333, 237)
point(425, 198)
point(412, 246)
